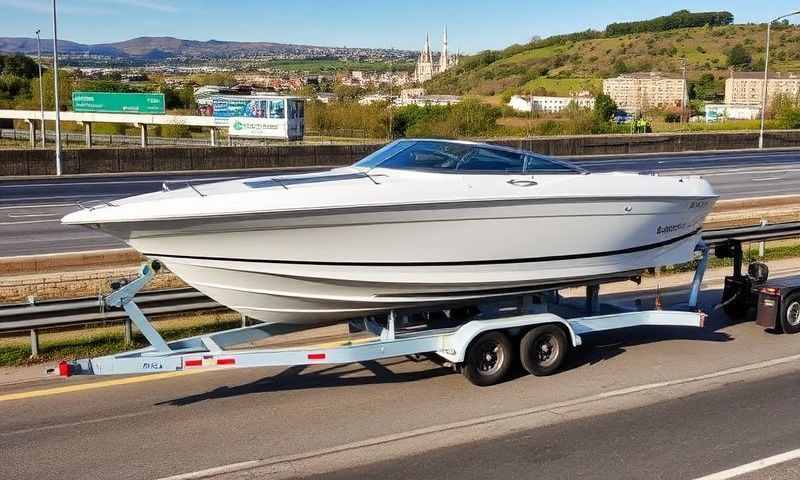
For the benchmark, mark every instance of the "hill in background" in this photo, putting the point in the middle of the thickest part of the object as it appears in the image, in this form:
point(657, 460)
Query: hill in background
point(568, 63)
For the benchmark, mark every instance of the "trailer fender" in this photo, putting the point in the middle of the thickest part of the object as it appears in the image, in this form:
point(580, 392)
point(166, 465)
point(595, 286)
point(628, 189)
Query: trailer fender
point(455, 345)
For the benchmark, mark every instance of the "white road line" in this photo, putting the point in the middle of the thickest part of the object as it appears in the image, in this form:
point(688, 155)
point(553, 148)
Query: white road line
point(34, 205)
point(118, 182)
point(385, 441)
point(32, 215)
point(29, 222)
point(766, 179)
point(99, 195)
point(754, 466)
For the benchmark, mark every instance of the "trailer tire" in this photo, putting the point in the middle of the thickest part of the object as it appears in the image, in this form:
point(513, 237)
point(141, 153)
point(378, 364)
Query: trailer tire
point(790, 314)
point(488, 359)
point(543, 349)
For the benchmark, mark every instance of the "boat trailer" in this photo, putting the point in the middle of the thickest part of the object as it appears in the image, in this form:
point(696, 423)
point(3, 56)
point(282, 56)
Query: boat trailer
point(482, 347)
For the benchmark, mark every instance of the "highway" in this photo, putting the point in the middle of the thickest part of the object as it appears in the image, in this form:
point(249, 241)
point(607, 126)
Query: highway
point(646, 403)
point(30, 209)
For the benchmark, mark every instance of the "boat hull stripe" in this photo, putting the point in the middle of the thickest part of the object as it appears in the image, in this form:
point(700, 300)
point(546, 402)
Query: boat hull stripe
point(438, 264)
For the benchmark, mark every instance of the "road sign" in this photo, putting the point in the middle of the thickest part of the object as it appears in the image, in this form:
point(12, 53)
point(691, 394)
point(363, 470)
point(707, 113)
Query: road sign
point(111, 102)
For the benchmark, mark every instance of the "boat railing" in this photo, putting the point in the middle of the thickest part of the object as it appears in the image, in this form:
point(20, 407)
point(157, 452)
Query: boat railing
point(94, 204)
point(188, 183)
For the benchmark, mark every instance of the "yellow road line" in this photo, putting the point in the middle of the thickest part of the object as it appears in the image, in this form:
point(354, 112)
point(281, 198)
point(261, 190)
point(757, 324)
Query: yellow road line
point(95, 385)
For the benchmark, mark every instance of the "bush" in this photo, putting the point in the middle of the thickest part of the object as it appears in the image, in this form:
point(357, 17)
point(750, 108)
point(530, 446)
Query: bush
point(738, 56)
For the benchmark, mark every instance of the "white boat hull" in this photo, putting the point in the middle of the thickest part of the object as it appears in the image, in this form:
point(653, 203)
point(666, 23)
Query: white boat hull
point(328, 266)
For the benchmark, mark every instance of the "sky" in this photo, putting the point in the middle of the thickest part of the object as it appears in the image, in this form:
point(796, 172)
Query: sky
point(473, 25)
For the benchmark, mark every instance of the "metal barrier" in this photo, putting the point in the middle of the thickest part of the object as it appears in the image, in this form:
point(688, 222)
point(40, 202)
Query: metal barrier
point(88, 311)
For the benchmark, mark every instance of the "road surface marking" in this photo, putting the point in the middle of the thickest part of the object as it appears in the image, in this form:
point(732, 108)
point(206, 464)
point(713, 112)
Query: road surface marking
point(35, 205)
point(27, 222)
point(754, 466)
point(765, 179)
point(94, 385)
point(283, 462)
point(120, 182)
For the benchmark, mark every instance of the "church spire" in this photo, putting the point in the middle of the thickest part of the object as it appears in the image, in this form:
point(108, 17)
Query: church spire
point(444, 59)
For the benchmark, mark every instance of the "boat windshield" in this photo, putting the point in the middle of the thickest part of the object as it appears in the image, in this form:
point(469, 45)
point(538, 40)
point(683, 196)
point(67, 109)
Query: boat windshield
point(458, 157)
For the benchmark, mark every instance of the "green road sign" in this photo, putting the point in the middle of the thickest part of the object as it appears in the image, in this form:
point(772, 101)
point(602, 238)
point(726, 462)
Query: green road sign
point(107, 102)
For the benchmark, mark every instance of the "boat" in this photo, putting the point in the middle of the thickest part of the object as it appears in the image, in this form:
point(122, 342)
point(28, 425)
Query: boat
point(418, 222)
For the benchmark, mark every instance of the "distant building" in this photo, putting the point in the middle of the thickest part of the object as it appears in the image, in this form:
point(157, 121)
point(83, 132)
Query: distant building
point(412, 92)
point(428, 100)
point(375, 98)
point(326, 97)
point(636, 92)
point(747, 88)
point(426, 67)
point(720, 112)
point(536, 103)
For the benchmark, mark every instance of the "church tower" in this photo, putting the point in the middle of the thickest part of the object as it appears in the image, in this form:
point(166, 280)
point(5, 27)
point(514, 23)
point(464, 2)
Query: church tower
point(444, 59)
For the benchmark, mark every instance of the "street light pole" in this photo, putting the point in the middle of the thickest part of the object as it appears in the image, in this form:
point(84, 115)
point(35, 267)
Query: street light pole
point(41, 83)
point(766, 77)
point(55, 92)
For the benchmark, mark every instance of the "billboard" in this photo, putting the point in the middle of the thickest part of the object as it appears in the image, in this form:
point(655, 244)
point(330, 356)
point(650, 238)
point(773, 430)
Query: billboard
point(249, 107)
point(112, 102)
point(252, 116)
point(257, 127)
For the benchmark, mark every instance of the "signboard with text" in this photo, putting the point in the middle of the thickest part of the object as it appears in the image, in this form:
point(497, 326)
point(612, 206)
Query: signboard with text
point(112, 102)
point(257, 127)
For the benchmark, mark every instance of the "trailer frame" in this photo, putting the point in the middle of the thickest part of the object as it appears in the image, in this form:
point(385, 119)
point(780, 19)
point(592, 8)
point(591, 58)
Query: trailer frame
point(393, 336)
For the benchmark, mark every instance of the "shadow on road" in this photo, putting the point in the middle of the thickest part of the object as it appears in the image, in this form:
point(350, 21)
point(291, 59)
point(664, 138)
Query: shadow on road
point(297, 378)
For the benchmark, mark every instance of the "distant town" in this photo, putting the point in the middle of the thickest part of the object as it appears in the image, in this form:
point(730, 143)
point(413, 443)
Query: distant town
point(670, 73)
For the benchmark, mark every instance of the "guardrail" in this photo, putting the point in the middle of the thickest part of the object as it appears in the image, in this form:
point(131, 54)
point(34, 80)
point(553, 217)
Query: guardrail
point(87, 311)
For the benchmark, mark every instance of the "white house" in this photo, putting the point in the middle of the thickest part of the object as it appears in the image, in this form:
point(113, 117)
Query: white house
point(719, 112)
point(524, 103)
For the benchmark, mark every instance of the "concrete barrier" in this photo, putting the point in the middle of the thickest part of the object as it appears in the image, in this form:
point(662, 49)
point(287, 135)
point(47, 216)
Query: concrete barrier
point(159, 159)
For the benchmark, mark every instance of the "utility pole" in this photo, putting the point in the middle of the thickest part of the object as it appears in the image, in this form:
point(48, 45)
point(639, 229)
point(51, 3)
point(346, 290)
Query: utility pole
point(41, 83)
point(390, 106)
point(55, 93)
point(685, 98)
point(766, 77)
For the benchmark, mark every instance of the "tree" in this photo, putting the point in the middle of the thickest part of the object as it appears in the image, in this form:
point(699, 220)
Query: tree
point(621, 68)
point(706, 88)
point(19, 65)
point(738, 56)
point(66, 85)
point(604, 108)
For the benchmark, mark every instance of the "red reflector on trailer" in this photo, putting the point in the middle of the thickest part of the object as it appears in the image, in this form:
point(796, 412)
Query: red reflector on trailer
point(193, 363)
point(226, 361)
point(63, 369)
point(316, 356)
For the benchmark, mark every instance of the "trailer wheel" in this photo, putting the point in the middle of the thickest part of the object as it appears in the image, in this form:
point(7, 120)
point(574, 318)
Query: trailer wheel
point(543, 349)
point(790, 314)
point(488, 359)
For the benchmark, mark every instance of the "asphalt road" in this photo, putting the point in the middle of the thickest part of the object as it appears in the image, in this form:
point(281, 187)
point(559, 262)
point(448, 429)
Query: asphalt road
point(644, 403)
point(30, 209)
point(678, 439)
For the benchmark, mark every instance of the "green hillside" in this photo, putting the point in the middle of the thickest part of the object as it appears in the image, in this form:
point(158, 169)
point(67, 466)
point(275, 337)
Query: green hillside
point(562, 64)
